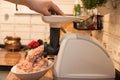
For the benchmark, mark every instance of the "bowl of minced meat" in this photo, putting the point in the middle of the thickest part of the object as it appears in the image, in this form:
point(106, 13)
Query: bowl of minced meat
point(34, 66)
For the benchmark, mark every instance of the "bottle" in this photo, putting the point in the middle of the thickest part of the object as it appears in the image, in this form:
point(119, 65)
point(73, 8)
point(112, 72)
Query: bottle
point(76, 8)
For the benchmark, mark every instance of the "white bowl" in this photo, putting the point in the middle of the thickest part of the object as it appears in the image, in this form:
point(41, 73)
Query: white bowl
point(31, 75)
point(59, 19)
point(55, 21)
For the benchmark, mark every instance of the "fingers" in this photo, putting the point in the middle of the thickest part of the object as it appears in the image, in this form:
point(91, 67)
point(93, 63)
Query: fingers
point(56, 9)
point(46, 7)
point(53, 11)
point(47, 13)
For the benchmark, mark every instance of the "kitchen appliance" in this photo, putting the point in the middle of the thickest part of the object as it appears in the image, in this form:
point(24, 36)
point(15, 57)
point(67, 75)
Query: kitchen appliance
point(79, 57)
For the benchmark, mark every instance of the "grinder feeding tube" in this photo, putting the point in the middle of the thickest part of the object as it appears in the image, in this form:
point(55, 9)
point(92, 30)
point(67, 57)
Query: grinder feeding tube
point(55, 24)
point(79, 57)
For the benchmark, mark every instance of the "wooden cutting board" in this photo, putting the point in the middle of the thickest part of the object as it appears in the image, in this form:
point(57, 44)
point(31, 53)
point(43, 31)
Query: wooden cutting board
point(47, 76)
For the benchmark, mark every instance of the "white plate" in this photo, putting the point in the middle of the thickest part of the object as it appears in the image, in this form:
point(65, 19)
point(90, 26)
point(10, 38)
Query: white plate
point(59, 19)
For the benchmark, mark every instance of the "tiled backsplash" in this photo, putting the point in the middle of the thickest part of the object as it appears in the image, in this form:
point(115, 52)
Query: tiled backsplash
point(25, 23)
point(111, 36)
point(27, 27)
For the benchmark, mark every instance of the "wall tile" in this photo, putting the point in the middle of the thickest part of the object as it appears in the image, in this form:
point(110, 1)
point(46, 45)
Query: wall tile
point(1, 41)
point(36, 36)
point(7, 27)
point(25, 41)
point(7, 5)
point(67, 9)
point(65, 5)
point(22, 28)
point(106, 18)
point(27, 26)
point(117, 29)
point(114, 18)
point(40, 28)
point(6, 18)
point(23, 35)
point(64, 2)
point(111, 36)
point(22, 19)
point(106, 26)
point(24, 10)
point(36, 19)
point(7, 11)
point(4, 34)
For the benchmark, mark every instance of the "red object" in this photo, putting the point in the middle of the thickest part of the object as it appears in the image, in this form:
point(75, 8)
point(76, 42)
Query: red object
point(33, 44)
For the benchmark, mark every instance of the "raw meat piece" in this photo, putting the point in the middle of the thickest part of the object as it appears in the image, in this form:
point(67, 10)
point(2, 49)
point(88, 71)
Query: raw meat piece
point(34, 61)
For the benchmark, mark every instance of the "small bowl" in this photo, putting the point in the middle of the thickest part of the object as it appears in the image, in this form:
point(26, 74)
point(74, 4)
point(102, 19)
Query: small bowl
point(31, 75)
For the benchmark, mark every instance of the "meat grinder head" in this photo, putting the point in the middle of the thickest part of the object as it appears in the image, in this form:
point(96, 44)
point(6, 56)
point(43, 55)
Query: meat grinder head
point(56, 20)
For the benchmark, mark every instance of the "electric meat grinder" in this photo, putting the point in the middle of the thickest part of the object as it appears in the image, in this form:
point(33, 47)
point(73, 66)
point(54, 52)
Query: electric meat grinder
point(79, 57)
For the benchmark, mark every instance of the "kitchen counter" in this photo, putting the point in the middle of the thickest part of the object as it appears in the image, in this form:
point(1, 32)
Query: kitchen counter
point(10, 58)
point(47, 76)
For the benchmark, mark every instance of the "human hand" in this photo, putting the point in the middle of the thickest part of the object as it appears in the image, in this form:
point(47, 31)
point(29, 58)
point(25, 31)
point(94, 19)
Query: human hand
point(45, 7)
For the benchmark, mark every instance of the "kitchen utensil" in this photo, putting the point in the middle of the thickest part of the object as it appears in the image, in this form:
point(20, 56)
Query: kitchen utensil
point(12, 42)
point(79, 57)
point(56, 21)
